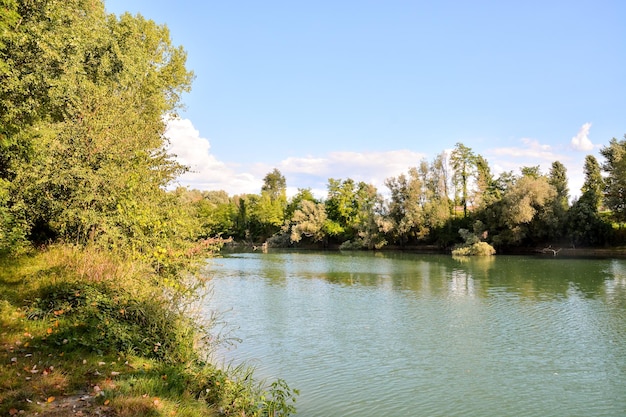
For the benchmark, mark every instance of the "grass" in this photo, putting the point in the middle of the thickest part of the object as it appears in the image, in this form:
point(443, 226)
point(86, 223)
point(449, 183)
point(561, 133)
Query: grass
point(84, 333)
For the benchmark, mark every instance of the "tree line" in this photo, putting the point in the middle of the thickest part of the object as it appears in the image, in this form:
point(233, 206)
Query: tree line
point(84, 101)
point(443, 202)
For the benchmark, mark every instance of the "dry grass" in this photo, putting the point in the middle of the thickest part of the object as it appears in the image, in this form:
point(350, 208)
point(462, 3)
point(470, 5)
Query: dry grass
point(44, 371)
point(86, 333)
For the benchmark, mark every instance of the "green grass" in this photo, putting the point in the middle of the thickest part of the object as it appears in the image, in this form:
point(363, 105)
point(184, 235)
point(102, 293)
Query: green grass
point(78, 323)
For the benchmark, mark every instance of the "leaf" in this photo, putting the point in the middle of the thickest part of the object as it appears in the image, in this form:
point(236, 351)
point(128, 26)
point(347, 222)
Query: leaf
point(50, 399)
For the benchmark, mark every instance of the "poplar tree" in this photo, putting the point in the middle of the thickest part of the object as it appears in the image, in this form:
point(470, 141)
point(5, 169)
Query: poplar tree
point(615, 181)
point(593, 186)
point(463, 163)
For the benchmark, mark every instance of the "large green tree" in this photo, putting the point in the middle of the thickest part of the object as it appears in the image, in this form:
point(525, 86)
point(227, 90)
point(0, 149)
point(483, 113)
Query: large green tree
point(584, 223)
point(308, 221)
point(405, 209)
point(523, 210)
point(558, 179)
point(83, 108)
point(615, 181)
point(267, 212)
point(593, 186)
point(463, 161)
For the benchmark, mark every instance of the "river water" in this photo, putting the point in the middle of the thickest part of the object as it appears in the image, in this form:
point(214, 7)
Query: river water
point(392, 334)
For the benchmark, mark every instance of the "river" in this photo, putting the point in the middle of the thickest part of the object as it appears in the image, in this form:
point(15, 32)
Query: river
point(394, 334)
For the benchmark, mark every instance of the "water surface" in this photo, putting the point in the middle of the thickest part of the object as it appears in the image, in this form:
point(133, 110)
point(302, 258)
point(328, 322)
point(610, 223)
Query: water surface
point(363, 334)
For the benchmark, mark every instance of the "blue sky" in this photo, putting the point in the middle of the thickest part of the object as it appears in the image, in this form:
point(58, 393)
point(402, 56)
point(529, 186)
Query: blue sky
point(366, 89)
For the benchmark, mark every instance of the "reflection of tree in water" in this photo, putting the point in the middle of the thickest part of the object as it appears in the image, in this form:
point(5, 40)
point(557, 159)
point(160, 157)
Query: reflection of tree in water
point(461, 284)
point(543, 278)
point(615, 284)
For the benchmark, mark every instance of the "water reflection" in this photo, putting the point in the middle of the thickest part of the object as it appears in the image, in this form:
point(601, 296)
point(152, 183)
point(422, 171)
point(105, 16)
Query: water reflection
point(534, 278)
point(404, 334)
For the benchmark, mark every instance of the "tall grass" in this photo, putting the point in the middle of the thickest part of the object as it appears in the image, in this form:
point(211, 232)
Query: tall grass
point(98, 319)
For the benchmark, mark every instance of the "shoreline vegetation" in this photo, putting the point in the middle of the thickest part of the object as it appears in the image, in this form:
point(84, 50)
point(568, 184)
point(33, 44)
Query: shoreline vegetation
point(86, 333)
point(100, 265)
point(541, 251)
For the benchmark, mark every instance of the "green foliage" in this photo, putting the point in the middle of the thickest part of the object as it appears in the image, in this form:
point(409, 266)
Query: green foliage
point(354, 210)
point(296, 201)
point(532, 172)
point(261, 216)
point(109, 320)
point(530, 209)
point(406, 210)
point(216, 212)
point(594, 183)
point(89, 313)
point(486, 191)
point(475, 249)
point(585, 226)
point(308, 221)
point(558, 179)
point(8, 19)
point(12, 228)
point(274, 185)
point(463, 161)
point(615, 181)
point(473, 245)
point(524, 210)
point(83, 115)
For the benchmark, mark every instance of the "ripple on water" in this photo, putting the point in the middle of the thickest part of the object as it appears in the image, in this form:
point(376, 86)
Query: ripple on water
point(434, 346)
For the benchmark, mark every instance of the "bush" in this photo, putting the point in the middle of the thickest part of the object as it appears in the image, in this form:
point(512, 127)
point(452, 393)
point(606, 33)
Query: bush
point(90, 304)
point(476, 249)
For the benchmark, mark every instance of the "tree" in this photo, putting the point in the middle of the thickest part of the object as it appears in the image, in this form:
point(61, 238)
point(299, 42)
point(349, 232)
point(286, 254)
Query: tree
point(308, 221)
point(405, 207)
point(296, 201)
point(217, 213)
point(8, 18)
point(464, 165)
point(615, 181)
point(558, 179)
point(594, 183)
point(275, 185)
point(584, 225)
point(437, 205)
point(83, 113)
point(354, 212)
point(268, 211)
point(532, 172)
point(341, 206)
point(485, 185)
point(523, 203)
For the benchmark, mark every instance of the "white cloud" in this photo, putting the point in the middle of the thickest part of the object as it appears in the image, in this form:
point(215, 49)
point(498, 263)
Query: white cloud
point(532, 153)
point(370, 167)
point(531, 149)
point(209, 173)
point(206, 171)
point(581, 141)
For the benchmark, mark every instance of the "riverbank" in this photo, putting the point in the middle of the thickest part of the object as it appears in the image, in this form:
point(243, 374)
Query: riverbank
point(548, 250)
point(86, 334)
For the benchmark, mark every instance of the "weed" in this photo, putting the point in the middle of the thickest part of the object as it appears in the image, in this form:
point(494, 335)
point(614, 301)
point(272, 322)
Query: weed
point(115, 336)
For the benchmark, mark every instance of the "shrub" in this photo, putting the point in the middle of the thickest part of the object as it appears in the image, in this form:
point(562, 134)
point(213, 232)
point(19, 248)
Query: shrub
point(476, 249)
